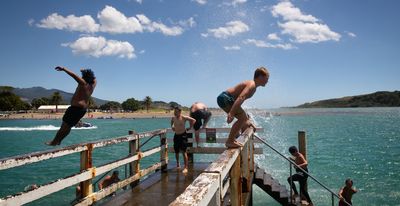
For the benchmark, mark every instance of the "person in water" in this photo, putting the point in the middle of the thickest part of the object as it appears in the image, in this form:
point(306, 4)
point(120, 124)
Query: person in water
point(300, 176)
point(232, 99)
point(346, 193)
point(200, 113)
point(79, 102)
point(180, 138)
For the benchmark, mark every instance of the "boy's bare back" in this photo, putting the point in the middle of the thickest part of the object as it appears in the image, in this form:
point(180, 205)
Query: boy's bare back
point(82, 95)
point(245, 89)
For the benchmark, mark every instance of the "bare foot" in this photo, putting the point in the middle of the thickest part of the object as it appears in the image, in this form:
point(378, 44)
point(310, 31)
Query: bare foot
point(233, 144)
point(51, 143)
point(184, 171)
point(178, 166)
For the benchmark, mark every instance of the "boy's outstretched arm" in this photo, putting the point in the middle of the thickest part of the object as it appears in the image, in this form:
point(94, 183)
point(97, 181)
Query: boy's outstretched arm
point(72, 74)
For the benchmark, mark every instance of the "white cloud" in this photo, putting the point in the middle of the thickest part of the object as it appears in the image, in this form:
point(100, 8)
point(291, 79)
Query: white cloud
point(189, 23)
point(115, 22)
point(31, 22)
point(290, 13)
point(231, 28)
point(304, 28)
point(308, 32)
point(156, 26)
point(234, 47)
point(202, 2)
point(273, 36)
point(142, 51)
point(99, 46)
point(263, 44)
point(70, 23)
point(236, 2)
point(351, 34)
point(139, 1)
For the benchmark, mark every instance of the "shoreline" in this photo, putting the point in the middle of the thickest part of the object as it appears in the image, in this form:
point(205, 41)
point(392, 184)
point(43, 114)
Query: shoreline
point(100, 115)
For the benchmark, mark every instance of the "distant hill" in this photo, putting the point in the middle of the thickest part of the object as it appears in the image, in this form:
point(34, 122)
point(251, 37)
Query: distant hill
point(377, 99)
point(27, 94)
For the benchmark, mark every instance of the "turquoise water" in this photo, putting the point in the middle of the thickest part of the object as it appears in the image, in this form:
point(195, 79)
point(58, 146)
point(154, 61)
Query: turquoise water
point(358, 143)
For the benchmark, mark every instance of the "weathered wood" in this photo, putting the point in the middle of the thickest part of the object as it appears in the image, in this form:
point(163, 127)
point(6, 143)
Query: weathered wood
point(245, 168)
point(87, 163)
point(236, 184)
point(114, 187)
point(201, 191)
point(220, 140)
point(302, 143)
point(164, 151)
point(133, 149)
point(44, 190)
point(211, 150)
point(218, 130)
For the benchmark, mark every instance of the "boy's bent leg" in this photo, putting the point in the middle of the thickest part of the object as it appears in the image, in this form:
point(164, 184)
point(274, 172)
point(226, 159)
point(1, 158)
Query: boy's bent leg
point(61, 134)
point(241, 120)
point(197, 137)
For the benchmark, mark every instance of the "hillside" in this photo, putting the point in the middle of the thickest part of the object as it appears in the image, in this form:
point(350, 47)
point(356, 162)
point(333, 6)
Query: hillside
point(27, 94)
point(377, 99)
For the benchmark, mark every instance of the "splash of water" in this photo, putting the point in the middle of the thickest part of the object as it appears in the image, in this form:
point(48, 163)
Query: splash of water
point(41, 128)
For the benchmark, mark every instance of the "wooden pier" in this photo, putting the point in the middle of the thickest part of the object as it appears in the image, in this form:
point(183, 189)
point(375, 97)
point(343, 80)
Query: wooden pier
point(227, 180)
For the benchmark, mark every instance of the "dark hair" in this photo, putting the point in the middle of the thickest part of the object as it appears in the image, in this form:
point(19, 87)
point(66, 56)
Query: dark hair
point(293, 149)
point(177, 108)
point(116, 172)
point(88, 76)
point(261, 71)
point(348, 180)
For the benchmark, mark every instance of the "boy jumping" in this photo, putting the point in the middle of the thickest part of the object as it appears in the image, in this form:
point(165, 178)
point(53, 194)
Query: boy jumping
point(232, 99)
point(79, 102)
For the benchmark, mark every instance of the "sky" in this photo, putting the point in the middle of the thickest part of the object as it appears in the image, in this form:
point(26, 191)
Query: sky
point(192, 50)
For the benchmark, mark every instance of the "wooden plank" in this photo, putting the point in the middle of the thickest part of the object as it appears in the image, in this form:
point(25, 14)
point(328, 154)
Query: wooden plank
point(218, 130)
point(114, 187)
point(236, 183)
point(47, 189)
point(86, 163)
point(200, 192)
point(220, 140)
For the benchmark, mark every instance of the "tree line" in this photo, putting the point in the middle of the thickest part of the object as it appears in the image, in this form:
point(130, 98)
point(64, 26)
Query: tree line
point(12, 102)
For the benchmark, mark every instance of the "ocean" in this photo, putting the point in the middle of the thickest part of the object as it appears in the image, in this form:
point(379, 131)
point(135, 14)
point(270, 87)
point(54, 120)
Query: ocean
point(358, 143)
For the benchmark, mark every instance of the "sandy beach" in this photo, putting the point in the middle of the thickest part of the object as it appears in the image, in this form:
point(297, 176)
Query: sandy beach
point(103, 115)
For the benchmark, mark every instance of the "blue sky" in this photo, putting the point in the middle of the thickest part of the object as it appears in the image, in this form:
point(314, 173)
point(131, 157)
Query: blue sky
point(191, 50)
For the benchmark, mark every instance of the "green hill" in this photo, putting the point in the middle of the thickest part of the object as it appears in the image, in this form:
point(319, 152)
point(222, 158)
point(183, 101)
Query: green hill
point(377, 99)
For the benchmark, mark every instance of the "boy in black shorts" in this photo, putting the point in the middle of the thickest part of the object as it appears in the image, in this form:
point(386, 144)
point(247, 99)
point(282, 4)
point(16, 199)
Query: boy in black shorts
point(180, 138)
point(79, 102)
point(200, 113)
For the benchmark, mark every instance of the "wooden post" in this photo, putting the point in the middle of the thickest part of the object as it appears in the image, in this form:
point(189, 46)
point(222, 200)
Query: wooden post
point(303, 148)
point(302, 143)
point(190, 145)
point(133, 166)
point(86, 163)
point(236, 184)
point(245, 168)
point(164, 152)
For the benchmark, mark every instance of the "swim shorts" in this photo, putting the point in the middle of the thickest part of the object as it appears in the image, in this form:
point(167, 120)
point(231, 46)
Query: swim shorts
point(180, 142)
point(73, 115)
point(225, 101)
point(199, 115)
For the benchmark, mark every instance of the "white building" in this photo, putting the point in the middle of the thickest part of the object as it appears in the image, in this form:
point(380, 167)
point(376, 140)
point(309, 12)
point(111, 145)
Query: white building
point(52, 108)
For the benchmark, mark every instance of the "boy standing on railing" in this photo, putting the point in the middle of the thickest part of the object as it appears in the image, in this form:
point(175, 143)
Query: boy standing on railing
point(300, 176)
point(180, 138)
point(79, 102)
point(232, 99)
point(346, 193)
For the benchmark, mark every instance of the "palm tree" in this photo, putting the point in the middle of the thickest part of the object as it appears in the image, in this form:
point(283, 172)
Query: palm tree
point(147, 102)
point(56, 99)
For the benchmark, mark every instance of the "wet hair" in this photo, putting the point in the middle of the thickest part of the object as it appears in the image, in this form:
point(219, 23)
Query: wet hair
point(177, 108)
point(116, 172)
point(261, 71)
point(348, 180)
point(88, 76)
point(293, 149)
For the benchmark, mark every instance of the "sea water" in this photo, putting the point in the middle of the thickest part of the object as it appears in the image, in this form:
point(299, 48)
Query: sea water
point(358, 143)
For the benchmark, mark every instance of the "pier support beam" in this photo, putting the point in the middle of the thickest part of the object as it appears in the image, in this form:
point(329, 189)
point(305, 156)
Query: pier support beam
point(133, 150)
point(86, 163)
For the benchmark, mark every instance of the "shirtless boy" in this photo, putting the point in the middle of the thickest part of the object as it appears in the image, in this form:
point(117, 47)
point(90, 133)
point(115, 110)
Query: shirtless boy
point(200, 113)
point(346, 193)
point(79, 102)
point(180, 138)
point(232, 99)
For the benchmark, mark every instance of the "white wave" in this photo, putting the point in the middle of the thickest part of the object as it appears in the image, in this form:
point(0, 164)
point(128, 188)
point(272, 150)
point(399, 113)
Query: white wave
point(41, 128)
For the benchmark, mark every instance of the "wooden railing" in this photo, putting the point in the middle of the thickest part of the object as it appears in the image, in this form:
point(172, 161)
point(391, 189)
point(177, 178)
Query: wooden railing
point(88, 171)
point(232, 171)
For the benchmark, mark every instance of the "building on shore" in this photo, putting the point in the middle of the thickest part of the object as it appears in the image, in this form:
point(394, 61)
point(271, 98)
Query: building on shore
point(52, 108)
